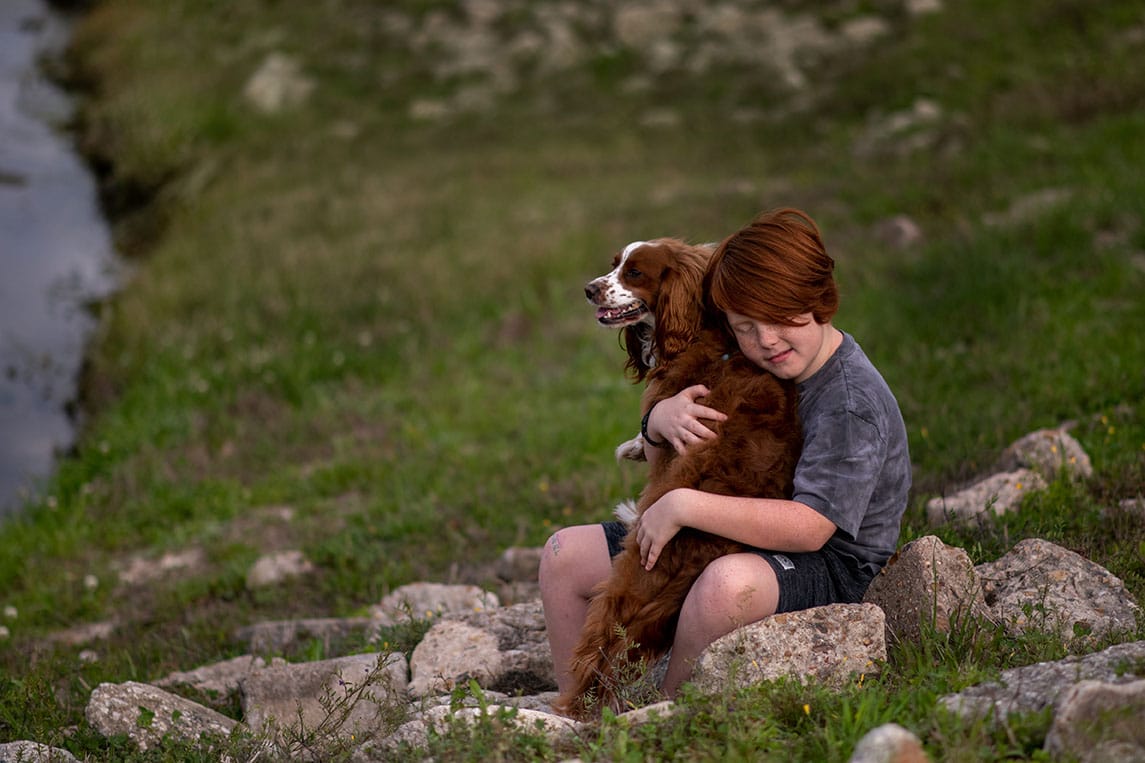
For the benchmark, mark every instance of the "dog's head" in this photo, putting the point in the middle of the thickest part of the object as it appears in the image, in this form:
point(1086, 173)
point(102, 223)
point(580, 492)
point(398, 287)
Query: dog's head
point(654, 292)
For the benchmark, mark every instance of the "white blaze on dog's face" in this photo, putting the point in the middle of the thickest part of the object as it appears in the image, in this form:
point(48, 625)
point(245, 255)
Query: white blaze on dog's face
point(623, 296)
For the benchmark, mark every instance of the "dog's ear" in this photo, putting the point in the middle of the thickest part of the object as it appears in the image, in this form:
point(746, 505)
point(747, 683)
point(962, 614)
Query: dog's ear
point(680, 304)
point(633, 343)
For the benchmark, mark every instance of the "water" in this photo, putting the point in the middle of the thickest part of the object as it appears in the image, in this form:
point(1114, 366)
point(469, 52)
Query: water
point(56, 255)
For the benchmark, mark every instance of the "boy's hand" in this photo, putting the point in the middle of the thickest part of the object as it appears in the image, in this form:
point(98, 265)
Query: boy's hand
point(677, 419)
point(659, 524)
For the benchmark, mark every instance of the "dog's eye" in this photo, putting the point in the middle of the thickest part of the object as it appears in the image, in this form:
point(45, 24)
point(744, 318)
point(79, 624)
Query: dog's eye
point(632, 273)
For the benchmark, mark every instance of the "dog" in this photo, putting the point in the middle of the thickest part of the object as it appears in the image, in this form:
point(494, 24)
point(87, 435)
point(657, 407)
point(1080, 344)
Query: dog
point(655, 292)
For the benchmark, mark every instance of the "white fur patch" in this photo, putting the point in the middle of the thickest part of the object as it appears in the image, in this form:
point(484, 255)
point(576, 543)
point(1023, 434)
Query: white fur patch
point(625, 511)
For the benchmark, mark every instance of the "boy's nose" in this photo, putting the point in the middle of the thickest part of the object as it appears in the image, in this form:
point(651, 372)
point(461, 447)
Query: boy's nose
point(768, 336)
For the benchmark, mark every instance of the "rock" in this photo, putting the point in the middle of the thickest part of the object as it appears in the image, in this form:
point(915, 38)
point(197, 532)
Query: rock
point(863, 30)
point(518, 572)
point(33, 752)
point(340, 696)
point(1040, 585)
point(440, 719)
point(139, 569)
point(641, 715)
point(83, 634)
point(993, 496)
point(1032, 688)
point(282, 635)
point(274, 568)
point(830, 643)
point(220, 678)
point(922, 7)
point(452, 653)
point(146, 714)
point(1098, 722)
point(903, 132)
point(430, 601)
point(504, 649)
point(519, 565)
point(277, 84)
point(898, 232)
point(642, 25)
point(1030, 208)
point(889, 743)
point(1048, 452)
point(927, 583)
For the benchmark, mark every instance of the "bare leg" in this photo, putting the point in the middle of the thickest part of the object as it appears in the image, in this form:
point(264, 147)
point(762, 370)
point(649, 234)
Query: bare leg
point(732, 591)
point(574, 560)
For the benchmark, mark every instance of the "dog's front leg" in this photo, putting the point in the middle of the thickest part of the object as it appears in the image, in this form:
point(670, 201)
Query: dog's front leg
point(631, 450)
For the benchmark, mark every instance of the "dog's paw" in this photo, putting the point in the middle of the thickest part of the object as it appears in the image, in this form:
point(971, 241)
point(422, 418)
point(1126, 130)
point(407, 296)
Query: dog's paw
point(631, 450)
point(626, 512)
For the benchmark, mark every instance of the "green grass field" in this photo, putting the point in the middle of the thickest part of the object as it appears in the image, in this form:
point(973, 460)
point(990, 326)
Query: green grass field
point(367, 307)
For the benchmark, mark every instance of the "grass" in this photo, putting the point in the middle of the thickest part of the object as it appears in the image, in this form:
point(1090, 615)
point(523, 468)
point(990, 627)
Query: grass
point(377, 321)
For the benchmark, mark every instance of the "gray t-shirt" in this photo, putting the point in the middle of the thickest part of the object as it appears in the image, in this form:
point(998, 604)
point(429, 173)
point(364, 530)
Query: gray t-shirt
point(855, 467)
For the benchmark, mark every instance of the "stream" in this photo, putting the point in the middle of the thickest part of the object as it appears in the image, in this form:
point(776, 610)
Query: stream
point(56, 255)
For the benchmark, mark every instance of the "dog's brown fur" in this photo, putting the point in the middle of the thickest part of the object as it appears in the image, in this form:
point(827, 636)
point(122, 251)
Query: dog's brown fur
point(632, 615)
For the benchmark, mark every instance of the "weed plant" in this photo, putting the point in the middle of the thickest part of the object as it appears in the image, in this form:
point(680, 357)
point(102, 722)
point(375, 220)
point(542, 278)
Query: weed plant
point(375, 320)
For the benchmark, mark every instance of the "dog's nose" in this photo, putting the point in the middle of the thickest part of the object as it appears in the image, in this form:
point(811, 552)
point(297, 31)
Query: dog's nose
point(591, 289)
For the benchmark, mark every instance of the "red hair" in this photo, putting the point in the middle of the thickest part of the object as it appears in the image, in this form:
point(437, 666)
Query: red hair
point(774, 269)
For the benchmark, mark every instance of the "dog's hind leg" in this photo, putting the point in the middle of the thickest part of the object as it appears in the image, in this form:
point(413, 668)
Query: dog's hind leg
point(631, 619)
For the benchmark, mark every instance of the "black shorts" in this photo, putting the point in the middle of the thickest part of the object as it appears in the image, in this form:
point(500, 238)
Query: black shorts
point(805, 580)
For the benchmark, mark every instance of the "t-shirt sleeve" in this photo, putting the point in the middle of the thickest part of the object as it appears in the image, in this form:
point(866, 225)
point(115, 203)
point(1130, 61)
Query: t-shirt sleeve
point(839, 468)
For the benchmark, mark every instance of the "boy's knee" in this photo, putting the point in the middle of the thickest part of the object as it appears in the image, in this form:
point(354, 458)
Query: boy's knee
point(550, 557)
point(731, 587)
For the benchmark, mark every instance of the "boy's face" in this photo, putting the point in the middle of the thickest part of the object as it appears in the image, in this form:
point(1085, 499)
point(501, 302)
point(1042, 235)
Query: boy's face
point(789, 352)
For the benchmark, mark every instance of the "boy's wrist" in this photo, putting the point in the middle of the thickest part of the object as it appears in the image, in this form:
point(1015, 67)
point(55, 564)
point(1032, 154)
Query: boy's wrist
point(644, 432)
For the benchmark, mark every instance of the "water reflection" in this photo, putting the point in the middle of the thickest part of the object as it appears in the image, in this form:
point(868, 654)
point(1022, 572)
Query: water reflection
point(55, 254)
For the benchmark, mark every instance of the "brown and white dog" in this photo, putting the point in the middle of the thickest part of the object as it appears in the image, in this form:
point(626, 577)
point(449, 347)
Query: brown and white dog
point(655, 292)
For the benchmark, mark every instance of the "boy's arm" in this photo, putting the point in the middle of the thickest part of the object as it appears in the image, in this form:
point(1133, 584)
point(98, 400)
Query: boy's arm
point(777, 525)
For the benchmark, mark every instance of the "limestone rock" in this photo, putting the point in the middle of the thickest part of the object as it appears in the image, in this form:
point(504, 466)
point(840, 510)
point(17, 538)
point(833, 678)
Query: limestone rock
point(1097, 722)
point(441, 718)
point(221, 678)
point(993, 496)
point(1048, 452)
point(519, 565)
point(146, 714)
point(505, 649)
point(282, 635)
point(1041, 585)
point(927, 582)
point(353, 689)
point(429, 601)
point(1032, 688)
point(831, 643)
point(278, 84)
point(33, 752)
point(451, 653)
point(889, 743)
point(899, 232)
point(274, 568)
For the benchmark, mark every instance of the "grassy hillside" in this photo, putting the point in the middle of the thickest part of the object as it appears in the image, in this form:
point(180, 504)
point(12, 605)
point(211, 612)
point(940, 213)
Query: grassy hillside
point(364, 303)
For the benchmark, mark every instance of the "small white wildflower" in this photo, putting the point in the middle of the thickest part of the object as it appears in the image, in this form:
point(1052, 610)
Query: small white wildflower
point(10, 612)
point(88, 656)
point(4, 632)
point(90, 582)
